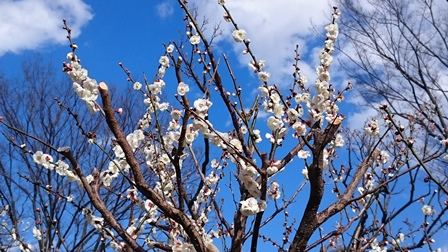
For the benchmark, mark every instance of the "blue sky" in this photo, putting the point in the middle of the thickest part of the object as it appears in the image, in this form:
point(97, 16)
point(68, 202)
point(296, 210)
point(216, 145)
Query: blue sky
point(132, 32)
point(109, 32)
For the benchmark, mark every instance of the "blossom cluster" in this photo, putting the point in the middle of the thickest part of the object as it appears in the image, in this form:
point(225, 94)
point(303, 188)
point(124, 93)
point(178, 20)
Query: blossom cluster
point(60, 166)
point(283, 116)
point(85, 87)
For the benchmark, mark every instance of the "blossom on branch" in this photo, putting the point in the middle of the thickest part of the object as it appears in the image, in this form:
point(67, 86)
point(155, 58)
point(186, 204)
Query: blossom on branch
point(182, 88)
point(251, 206)
point(36, 233)
point(427, 210)
point(195, 39)
point(264, 76)
point(239, 35)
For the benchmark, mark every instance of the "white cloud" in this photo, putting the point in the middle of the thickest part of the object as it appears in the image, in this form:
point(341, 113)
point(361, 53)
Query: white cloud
point(357, 119)
point(274, 28)
point(31, 24)
point(164, 9)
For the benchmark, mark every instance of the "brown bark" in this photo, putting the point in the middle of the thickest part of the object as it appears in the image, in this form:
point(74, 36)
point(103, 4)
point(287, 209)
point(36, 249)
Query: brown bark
point(140, 183)
point(309, 222)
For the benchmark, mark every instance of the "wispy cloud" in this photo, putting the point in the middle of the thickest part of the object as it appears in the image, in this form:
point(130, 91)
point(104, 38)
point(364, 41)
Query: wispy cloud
point(32, 24)
point(405, 87)
point(164, 9)
point(358, 112)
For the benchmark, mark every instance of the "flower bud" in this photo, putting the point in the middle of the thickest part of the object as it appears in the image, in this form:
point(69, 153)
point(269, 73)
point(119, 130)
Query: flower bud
point(119, 110)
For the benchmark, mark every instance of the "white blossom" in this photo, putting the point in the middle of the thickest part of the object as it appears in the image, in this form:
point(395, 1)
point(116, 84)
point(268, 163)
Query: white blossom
point(164, 61)
point(272, 169)
point(274, 191)
point(215, 164)
point(4, 210)
point(398, 240)
point(239, 35)
point(173, 125)
point(264, 76)
point(275, 98)
point(176, 114)
point(195, 39)
point(249, 206)
point(202, 105)
point(303, 154)
point(338, 141)
point(293, 114)
point(24, 247)
point(274, 123)
point(322, 73)
point(211, 179)
point(427, 210)
point(236, 144)
point(182, 88)
point(257, 135)
point(243, 129)
point(274, 139)
point(264, 91)
point(43, 159)
point(299, 128)
point(262, 205)
point(116, 246)
point(161, 71)
point(325, 59)
point(383, 157)
point(137, 85)
point(372, 128)
point(332, 31)
point(170, 48)
point(36, 233)
point(376, 248)
point(305, 173)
